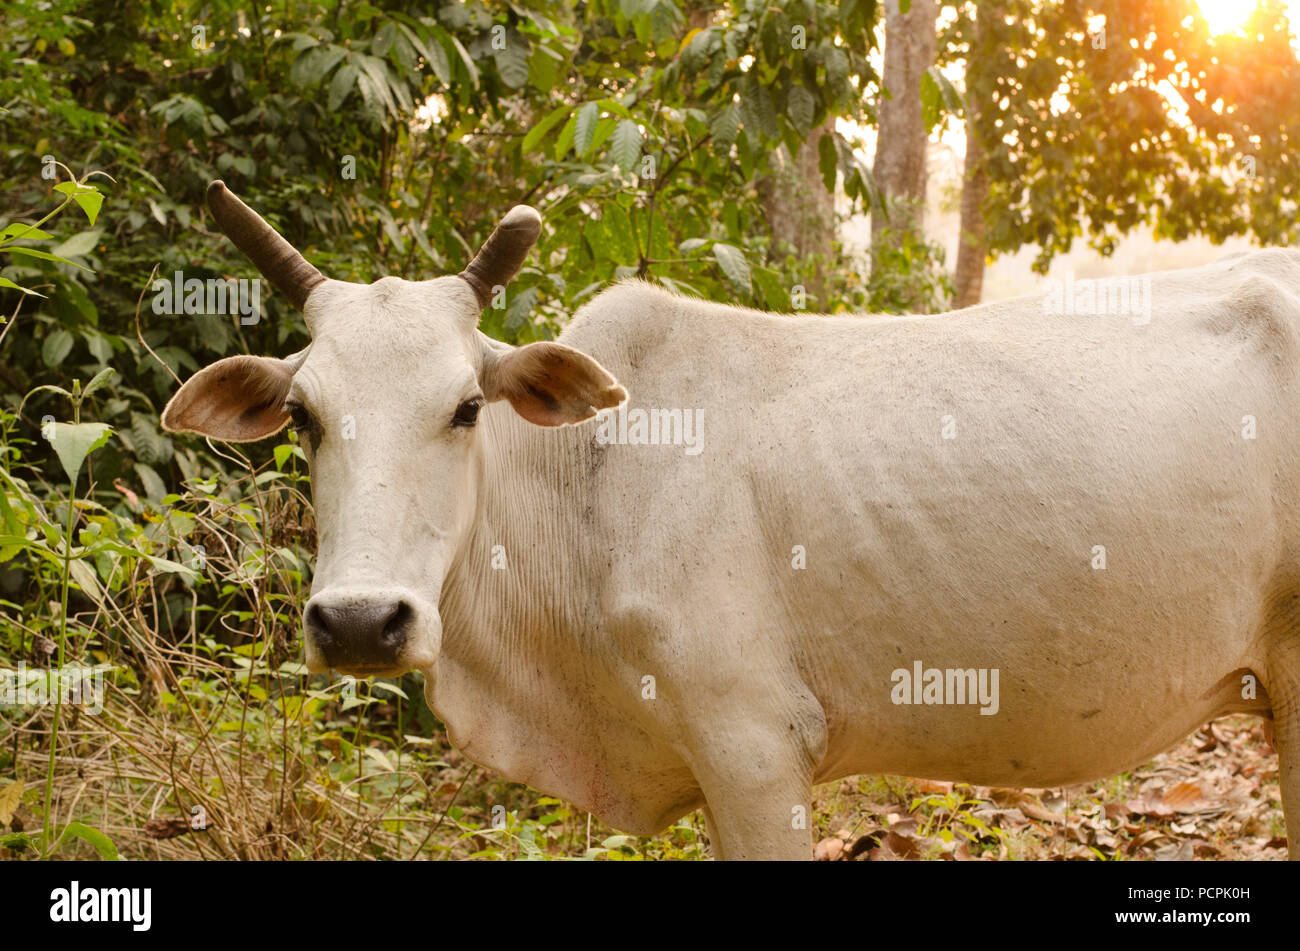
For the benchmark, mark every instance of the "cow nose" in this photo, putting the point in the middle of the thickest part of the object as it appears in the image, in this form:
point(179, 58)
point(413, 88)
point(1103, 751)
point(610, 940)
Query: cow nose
point(360, 634)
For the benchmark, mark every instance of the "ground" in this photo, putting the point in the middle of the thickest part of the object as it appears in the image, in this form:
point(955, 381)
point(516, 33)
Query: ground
point(253, 785)
point(1215, 796)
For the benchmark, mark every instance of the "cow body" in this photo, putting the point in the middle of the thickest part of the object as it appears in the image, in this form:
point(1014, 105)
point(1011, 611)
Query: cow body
point(1093, 518)
point(624, 562)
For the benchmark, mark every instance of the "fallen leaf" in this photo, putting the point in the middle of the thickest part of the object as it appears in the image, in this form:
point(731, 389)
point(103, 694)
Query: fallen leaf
point(1146, 838)
point(1182, 797)
point(1143, 807)
point(166, 828)
point(930, 786)
point(1036, 810)
point(902, 846)
point(864, 844)
point(1180, 851)
point(902, 826)
point(10, 797)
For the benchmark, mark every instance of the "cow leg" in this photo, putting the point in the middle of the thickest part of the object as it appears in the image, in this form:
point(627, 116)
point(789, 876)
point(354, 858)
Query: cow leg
point(759, 821)
point(757, 787)
point(1284, 694)
point(715, 840)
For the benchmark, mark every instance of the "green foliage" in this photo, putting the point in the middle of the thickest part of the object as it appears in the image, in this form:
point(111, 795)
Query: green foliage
point(950, 817)
point(1103, 115)
point(908, 277)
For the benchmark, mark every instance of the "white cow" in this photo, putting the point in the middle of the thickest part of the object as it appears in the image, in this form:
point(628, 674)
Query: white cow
point(1003, 546)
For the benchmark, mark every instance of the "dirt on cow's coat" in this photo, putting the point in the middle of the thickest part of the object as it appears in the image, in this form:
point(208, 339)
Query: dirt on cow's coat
point(1214, 796)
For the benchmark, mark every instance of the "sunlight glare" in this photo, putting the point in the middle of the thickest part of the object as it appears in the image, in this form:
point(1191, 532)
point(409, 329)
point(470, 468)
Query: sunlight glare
point(1225, 16)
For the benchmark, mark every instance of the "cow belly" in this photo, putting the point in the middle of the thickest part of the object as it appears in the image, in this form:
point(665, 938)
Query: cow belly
point(1053, 725)
point(1097, 668)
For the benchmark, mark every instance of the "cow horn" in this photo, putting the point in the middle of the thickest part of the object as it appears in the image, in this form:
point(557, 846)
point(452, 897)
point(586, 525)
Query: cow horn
point(503, 252)
point(263, 245)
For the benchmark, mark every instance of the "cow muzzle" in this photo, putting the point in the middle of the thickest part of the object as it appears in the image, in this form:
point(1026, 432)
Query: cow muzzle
point(364, 633)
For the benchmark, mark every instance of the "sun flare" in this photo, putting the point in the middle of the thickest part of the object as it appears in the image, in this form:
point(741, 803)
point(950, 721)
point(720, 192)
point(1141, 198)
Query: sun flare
point(1226, 16)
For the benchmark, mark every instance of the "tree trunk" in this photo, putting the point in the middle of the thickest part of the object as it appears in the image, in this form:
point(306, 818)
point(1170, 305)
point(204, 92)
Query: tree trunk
point(800, 211)
point(972, 246)
point(899, 166)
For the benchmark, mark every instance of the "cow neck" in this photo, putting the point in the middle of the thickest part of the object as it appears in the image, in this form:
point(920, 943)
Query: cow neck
point(529, 511)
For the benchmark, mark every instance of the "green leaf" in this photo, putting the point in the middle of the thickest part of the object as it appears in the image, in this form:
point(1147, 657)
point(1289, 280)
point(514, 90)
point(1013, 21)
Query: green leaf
point(341, 85)
point(389, 688)
point(149, 446)
point(73, 294)
point(11, 526)
point(44, 256)
point(73, 442)
point(90, 203)
point(17, 841)
point(154, 487)
point(465, 58)
point(84, 576)
point(775, 295)
point(213, 331)
point(18, 231)
point(801, 107)
point(937, 97)
point(434, 55)
point(827, 160)
point(604, 128)
point(625, 145)
point(439, 62)
point(56, 348)
point(102, 378)
point(5, 282)
point(78, 245)
point(512, 62)
point(616, 107)
point(565, 140)
point(734, 265)
point(930, 100)
point(102, 843)
point(837, 71)
point(167, 566)
point(585, 128)
point(952, 100)
point(383, 39)
point(377, 70)
point(618, 232)
point(74, 188)
point(98, 346)
point(301, 41)
point(538, 132)
point(313, 65)
point(521, 305)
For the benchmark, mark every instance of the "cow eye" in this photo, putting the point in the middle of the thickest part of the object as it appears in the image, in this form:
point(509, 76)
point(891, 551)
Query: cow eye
point(299, 418)
point(467, 412)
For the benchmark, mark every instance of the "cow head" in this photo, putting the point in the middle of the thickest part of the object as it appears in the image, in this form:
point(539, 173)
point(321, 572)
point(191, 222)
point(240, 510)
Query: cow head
point(386, 400)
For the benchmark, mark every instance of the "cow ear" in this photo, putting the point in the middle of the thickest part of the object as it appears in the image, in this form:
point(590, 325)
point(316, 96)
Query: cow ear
point(238, 399)
point(550, 384)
